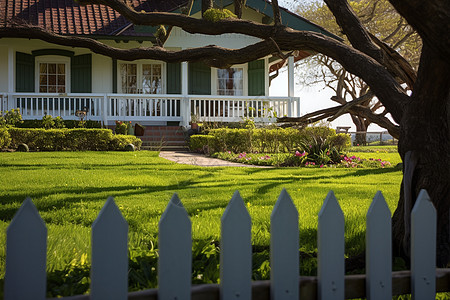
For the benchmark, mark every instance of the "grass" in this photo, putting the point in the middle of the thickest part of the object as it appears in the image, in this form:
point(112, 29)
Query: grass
point(69, 189)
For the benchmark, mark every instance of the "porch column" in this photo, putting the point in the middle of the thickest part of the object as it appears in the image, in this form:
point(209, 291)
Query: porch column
point(291, 88)
point(185, 102)
point(11, 79)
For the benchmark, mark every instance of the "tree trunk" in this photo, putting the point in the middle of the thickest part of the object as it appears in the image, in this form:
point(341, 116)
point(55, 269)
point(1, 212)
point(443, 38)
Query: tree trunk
point(361, 129)
point(425, 135)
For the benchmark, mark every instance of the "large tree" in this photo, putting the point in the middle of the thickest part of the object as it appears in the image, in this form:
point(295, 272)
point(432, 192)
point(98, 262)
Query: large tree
point(423, 116)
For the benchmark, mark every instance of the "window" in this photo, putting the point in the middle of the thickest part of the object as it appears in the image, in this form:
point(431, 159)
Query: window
point(52, 74)
point(52, 78)
point(142, 78)
point(230, 81)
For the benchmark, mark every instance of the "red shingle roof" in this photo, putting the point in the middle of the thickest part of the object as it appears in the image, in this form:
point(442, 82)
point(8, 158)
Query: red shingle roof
point(68, 18)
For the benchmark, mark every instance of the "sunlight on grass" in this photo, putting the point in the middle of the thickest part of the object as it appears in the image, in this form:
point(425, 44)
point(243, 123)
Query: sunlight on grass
point(70, 188)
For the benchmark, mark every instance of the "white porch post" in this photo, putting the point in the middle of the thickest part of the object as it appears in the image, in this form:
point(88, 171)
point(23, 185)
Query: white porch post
point(105, 111)
point(11, 79)
point(291, 88)
point(185, 109)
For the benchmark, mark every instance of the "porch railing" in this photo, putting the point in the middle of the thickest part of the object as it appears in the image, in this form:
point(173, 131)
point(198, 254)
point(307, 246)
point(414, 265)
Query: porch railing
point(237, 108)
point(141, 108)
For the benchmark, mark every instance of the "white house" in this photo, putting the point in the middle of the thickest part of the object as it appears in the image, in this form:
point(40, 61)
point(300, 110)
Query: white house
point(43, 78)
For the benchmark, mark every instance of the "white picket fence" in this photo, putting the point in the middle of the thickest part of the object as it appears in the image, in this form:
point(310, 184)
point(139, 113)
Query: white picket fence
point(25, 276)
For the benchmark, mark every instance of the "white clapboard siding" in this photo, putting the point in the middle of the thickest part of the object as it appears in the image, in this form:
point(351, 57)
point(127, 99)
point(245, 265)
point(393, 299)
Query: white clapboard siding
point(284, 245)
point(109, 266)
point(330, 244)
point(175, 252)
point(26, 252)
point(378, 250)
point(423, 248)
point(236, 251)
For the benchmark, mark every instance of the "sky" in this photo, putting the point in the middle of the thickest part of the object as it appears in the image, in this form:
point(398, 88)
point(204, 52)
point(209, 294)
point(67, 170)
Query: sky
point(314, 97)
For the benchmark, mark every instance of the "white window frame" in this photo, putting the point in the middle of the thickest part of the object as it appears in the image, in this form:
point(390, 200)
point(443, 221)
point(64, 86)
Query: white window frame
point(52, 59)
point(139, 64)
point(214, 79)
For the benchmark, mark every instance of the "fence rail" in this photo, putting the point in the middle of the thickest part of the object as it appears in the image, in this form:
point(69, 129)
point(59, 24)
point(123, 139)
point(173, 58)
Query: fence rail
point(25, 276)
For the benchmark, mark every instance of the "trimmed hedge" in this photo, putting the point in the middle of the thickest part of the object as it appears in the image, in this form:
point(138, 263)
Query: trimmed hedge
point(39, 139)
point(278, 140)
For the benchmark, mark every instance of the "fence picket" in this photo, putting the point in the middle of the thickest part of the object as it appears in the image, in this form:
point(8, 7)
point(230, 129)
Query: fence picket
point(284, 243)
point(236, 251)
point(330, 244)
point(175, 252)
point(109, 267)
point(26, 253)
point(423, 248)
point(378, 250)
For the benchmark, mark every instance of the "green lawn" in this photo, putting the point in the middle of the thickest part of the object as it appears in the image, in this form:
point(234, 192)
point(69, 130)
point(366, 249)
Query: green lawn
point(69, 189)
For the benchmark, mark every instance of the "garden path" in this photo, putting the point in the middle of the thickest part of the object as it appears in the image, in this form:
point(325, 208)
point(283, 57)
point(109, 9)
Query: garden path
point(188, 158)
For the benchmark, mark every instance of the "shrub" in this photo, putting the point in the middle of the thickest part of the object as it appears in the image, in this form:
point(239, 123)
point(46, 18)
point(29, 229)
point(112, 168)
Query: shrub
point(47, 122)
point(5, 138)
point(10, 117)
point(121, 127)
point(235, 140)
point(119, 142)
point(203, 144)
point(79, 139)
point(88, 139)
point(60, 123)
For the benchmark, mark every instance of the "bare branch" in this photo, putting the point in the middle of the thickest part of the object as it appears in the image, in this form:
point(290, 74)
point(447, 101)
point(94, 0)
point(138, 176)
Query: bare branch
point(349, 105)
point(276, 13)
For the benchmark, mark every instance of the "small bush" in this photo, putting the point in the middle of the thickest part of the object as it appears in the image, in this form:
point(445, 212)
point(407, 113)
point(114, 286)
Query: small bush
point(5, 138)
point(47, 122)
point(121, 128)
point(10, 117)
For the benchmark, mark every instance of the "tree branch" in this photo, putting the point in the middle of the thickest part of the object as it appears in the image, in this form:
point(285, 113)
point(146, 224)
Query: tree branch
point(357, 110)
point(431, 19)
point(353, 29)
point(276, 13)
point(349, 105)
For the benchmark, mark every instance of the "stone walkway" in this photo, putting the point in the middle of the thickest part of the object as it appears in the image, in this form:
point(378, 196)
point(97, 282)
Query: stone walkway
point(196, 159)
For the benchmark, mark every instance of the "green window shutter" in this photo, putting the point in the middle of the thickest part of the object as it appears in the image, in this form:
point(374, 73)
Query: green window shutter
point(114, 72)
point(199, 79)
point(24, 72)
point(256, 78)
point(81, 74)
point(173, 78)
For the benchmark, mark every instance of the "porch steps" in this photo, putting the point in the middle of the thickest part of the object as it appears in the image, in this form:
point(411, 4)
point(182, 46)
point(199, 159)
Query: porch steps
point(164, 138)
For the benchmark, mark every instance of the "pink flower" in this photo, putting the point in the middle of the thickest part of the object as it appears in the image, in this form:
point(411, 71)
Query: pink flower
point(321, 166)
point(300, 154)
